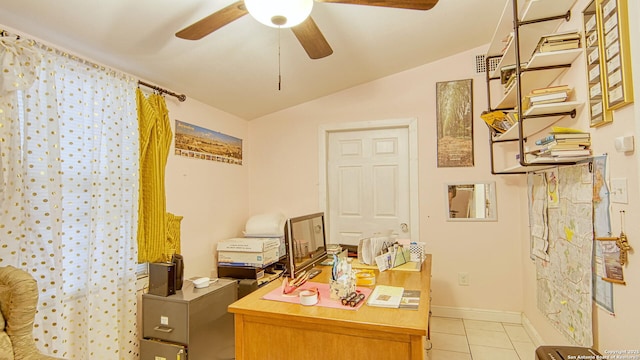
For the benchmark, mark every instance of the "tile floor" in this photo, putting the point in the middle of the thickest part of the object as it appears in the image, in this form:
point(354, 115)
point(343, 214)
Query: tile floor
point(460, 339)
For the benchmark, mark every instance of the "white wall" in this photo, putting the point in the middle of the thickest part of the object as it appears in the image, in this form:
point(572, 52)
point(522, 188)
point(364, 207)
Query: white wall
point(210, 195)
point(284, 175)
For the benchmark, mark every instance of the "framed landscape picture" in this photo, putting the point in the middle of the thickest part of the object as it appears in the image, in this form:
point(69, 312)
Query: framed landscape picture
point(454, 117)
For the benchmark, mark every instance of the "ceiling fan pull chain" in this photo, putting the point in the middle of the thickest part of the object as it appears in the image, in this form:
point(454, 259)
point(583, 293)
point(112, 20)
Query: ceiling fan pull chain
point(279, 71)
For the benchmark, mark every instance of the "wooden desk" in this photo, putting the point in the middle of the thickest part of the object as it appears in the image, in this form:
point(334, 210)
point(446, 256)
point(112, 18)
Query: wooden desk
point(266, 329)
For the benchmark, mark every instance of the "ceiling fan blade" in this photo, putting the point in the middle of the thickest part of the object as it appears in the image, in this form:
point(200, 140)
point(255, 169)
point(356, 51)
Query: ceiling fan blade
point(402, 4)
point(213, 22)
point(311, 39)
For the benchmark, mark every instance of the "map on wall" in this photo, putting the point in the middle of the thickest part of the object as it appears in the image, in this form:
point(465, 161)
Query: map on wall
point(539, 233)
point(564, 280)
point(602, 290)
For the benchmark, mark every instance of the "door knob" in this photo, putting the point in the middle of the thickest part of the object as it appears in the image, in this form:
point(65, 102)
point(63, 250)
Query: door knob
point(404, 227)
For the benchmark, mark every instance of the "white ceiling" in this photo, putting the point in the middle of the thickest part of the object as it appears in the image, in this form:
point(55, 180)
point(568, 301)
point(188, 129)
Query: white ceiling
point(235, 69)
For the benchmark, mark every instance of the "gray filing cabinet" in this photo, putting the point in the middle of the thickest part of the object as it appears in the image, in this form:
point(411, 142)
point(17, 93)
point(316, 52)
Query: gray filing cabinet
point(192, 324)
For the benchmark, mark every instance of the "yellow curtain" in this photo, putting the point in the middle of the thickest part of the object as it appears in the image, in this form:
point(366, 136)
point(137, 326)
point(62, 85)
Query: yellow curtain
point(155, 141)
point(173, 234)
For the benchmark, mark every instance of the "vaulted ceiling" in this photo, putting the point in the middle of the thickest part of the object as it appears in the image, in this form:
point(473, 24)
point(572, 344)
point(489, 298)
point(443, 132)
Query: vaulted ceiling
point(236, 68)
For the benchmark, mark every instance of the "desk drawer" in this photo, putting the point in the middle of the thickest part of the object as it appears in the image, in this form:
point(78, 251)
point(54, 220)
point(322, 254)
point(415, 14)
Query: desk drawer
point(158, 350)
point(165, 320)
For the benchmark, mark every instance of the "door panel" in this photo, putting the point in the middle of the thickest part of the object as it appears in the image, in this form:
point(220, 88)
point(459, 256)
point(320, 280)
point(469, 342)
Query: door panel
point(368, 183)
point(385, 191)
point(350, 180)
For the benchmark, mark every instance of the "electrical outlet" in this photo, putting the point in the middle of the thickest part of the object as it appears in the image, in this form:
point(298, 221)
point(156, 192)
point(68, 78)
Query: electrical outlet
point(463, 279)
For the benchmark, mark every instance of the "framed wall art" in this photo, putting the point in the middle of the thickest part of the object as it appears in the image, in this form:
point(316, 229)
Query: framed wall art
point(196, 142)
point(454, 117)
point(599, 113)
point(616, 52)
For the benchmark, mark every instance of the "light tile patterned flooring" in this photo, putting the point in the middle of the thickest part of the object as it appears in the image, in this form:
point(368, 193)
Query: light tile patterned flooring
point(461, 339)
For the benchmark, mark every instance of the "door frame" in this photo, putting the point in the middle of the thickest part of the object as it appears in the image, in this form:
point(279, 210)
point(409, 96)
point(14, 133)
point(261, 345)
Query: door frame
point(411, 124)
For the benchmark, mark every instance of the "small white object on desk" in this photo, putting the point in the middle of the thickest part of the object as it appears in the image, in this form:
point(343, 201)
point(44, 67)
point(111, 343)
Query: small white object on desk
point(202, 282)
point(308, 297)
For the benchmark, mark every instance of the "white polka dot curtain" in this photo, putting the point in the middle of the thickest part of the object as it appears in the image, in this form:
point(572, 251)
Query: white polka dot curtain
point(69, 195)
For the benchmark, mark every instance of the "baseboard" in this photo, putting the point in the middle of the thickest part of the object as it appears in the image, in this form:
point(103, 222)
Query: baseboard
point(477, 314)
point(533, 333)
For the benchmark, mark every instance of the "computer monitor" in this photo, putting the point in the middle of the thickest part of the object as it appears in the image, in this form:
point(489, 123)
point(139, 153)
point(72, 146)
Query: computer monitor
point(306, 242)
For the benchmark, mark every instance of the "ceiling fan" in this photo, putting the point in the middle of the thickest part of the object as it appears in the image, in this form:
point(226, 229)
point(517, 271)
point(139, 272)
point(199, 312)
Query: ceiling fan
point(274, 13)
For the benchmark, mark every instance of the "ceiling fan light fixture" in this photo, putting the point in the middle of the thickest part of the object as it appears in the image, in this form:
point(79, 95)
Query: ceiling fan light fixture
point(279, 13)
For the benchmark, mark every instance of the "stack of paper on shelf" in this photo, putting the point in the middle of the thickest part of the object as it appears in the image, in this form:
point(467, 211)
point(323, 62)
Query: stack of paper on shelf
point(548, 95)
point(558, 42)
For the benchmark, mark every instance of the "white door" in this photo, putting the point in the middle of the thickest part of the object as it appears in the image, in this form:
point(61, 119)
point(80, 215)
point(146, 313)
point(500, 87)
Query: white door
point(369, 187)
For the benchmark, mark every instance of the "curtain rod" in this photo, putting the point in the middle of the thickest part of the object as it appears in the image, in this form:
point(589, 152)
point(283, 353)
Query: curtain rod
point(46, 47)
point(180, 97)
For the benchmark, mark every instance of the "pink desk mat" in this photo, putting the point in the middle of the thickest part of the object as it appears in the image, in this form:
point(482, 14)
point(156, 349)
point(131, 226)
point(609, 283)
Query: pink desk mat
point(323, 290)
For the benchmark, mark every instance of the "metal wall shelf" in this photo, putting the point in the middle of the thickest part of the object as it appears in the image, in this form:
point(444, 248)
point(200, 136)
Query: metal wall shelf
point(533, 70)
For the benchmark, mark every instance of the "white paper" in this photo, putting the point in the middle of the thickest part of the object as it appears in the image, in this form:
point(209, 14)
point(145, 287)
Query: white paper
point(613, 64)
point(595, 90)
point(615, 78)
point(608, 8)
point(611, 23)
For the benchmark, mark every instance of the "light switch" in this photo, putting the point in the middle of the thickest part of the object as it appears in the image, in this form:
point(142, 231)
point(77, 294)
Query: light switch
point(619, 191)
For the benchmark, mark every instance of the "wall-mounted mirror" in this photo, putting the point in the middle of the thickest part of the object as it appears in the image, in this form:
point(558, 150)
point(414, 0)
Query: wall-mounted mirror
point(471, 201)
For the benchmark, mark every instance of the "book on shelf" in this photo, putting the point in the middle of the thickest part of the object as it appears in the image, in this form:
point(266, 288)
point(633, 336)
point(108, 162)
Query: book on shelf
point(386, 296)
point(559, 97)
point(509, 85)
point(553, 140)
point(410, 299)
point(506, 73)
point(565, 153)
point(550, 89)
point(545, 149)
point(542, 102)
point(565, 130)
point(560, 146)
point(497, 120)
point(560, 137)
point(528, 103)
point(563, 36)
point(557, 42)
point(549, 95)
point(565, 45)
point(562, 94)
